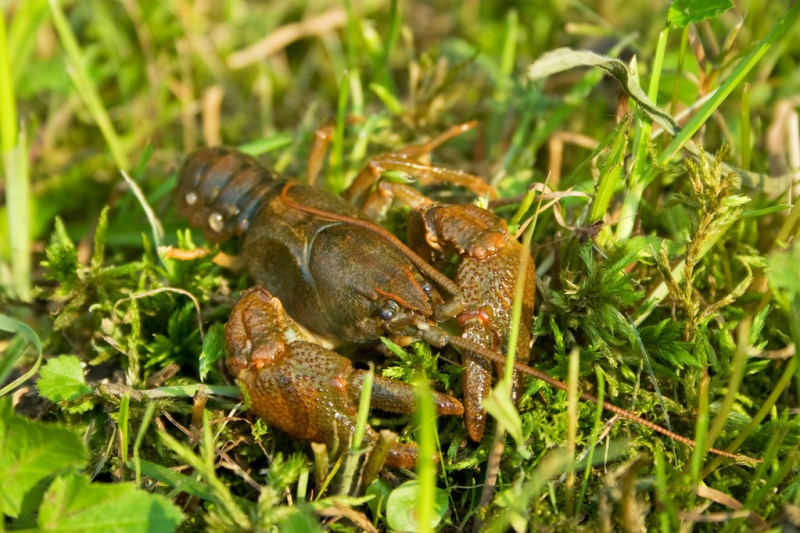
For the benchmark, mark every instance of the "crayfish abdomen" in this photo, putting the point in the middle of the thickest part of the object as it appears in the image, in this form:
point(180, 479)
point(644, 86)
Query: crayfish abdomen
point(220, 189)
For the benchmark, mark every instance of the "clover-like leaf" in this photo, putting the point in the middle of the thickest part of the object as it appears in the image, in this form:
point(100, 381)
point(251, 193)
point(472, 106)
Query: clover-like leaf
point(62, 379)
point(402, 503)
point(29, 453)
point(74, 504)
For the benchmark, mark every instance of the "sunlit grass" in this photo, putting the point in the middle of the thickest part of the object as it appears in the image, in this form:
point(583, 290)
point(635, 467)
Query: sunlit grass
point(95, 85)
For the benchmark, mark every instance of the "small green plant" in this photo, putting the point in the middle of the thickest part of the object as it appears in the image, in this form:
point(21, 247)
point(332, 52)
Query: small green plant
point(713, 208)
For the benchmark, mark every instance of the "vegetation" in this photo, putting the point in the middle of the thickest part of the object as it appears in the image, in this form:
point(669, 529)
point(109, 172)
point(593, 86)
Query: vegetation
point(664, 234)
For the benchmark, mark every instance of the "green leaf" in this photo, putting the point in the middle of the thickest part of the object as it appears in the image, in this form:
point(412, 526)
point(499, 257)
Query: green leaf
point(301, 522)
point(782, 273)
point(401, 504)
point(684, 12)
point(74, 504)
point(189, 485)
point(30, 452)
point(213, 350)
point(380, 489)
point(13, 352)
point(610, 167)
point(500, 406)
point(62, 379)
point(389, 100)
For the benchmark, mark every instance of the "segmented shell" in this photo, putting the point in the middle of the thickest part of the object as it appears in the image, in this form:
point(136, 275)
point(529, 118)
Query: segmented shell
point(220, 189)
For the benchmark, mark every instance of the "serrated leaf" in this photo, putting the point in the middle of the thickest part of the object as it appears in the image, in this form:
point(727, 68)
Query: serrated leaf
point(684, 12)
point(62, 379)
point(74, 504)
point(401, 503)
point(30, 452)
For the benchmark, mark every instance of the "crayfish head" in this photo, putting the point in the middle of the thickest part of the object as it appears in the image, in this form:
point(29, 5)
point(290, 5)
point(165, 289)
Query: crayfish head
point(257, 331)
point(401, 311)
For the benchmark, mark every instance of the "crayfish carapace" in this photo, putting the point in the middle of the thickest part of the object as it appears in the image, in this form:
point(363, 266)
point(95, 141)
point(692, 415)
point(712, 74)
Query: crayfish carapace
point(344, 277)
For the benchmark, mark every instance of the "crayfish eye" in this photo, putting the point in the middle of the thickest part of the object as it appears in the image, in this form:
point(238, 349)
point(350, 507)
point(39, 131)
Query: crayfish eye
point(427, 288)
point(388, 310)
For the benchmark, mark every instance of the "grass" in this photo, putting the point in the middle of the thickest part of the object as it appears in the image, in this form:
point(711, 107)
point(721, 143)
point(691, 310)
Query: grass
point(686, 270)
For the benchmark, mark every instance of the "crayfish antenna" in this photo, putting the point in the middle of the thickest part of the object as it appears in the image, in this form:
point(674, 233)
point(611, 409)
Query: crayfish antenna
point(466, 344)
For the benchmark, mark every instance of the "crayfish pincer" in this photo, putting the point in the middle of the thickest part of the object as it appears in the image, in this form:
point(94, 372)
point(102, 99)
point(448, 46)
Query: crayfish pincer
point(306, 390)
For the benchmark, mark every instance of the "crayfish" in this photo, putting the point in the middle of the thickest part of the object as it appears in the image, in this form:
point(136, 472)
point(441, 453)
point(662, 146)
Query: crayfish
point(345, 278)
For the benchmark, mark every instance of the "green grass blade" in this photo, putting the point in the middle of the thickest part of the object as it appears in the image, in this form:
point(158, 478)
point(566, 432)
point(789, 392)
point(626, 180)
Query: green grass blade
point(611, 169)
point(426, 469)
point(391, 42)
point(146, 419)
point(735, 382)
point(84, 84)
point(15, 326)
point(124, 428)
point(351, 462)
point(701, 432)
point(8, 117)
point(668, 513)
point(679, 72)
point(766, 407)
point(737, 77)
point(510, 43)
point(15, 168)
point(572, 426)
point(596, 425)
point(363, 410)
point(28, 16)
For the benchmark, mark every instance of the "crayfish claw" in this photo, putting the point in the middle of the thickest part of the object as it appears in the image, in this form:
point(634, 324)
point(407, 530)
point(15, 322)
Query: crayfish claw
point(398, 397)
point(303, 388)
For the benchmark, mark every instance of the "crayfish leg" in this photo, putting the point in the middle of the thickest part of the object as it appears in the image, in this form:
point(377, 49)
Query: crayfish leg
point(359, 192)
point(477, 384)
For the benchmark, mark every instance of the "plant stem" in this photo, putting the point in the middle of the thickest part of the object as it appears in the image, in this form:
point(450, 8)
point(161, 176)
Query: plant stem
point(746, 127)
point(636, 183)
